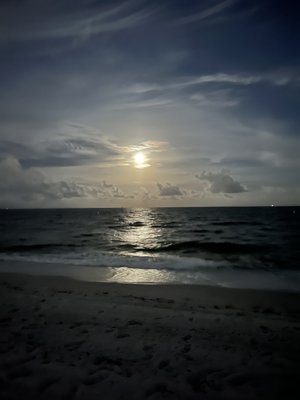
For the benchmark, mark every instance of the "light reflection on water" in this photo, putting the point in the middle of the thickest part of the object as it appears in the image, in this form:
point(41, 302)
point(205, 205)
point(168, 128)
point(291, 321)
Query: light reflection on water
point(184, 244)
point(136, 275)
point(140, 230)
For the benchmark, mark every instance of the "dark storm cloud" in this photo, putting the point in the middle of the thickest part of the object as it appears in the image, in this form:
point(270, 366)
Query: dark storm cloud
point(221, 182)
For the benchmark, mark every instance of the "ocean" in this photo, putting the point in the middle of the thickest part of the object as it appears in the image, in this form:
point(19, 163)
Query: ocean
point(240, 246)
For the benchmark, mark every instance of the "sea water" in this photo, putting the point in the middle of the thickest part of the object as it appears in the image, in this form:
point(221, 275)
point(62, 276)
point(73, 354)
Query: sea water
point(247, 246)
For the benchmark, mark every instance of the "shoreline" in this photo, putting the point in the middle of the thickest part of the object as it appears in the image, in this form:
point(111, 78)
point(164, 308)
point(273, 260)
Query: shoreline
point(272, 280)
point(66, 339)
point(285, 301)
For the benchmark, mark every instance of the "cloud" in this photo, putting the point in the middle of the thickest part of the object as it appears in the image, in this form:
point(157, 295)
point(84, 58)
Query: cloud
point(221, 182)
point(29, 186)
point(33, 20)
point(138, 88)
point(113, 191)
point(74, 145)
point(146, 195)
point(217, 98)
point(136, 104)
point(61, 152)
point(71, 148)
point(208, 12)
point(190, 85)
point(147, 146)
point(224, 78)
point(219, 90)
point(169, 190)
point(273, 78)
point(243, 79)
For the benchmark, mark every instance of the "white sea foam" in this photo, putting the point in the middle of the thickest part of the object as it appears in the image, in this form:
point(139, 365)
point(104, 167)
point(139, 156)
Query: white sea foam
point(167, 262)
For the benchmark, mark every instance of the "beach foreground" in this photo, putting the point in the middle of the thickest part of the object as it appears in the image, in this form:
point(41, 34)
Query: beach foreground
point(66, 339)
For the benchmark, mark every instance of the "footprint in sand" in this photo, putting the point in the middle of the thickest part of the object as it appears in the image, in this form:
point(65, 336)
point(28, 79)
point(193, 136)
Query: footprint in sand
point(19, 372)
point(163, 364)
point(122, 335)
point(161, 389)
point(186, 348)
point(45, 383)
point(134, 322)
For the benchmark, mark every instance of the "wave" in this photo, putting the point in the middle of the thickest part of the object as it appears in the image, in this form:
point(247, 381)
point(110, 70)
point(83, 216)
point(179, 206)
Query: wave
point(192, 246)
point(34, 247)
point(161, 262)
point(209, 247)
point(136, 224)
point(153, 270)
point(200, 231)
point(179, 256)
point(167, 225)
point(234, 223)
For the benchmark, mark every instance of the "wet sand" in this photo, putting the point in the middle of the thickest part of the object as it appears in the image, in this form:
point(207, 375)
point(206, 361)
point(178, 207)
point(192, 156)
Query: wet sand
point(67, 339)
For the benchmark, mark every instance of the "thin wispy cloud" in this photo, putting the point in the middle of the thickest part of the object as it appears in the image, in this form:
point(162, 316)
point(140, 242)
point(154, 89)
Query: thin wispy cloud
point(207, 12)
point(138, 88)
point(280, 79)
point(217, 98)
point(56, 20)
point(146, 103)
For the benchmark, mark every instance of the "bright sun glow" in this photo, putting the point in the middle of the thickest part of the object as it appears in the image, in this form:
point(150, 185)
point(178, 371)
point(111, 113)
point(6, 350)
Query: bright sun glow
point(140, 160)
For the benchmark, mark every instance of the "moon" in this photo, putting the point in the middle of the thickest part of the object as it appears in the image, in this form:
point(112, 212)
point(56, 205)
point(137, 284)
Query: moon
point(140, 160)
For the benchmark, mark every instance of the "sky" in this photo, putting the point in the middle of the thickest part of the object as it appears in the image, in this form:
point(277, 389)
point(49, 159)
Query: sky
point(156, 103)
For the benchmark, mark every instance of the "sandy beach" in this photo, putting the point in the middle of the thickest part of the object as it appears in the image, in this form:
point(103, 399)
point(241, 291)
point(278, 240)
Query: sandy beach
point(67, 339)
